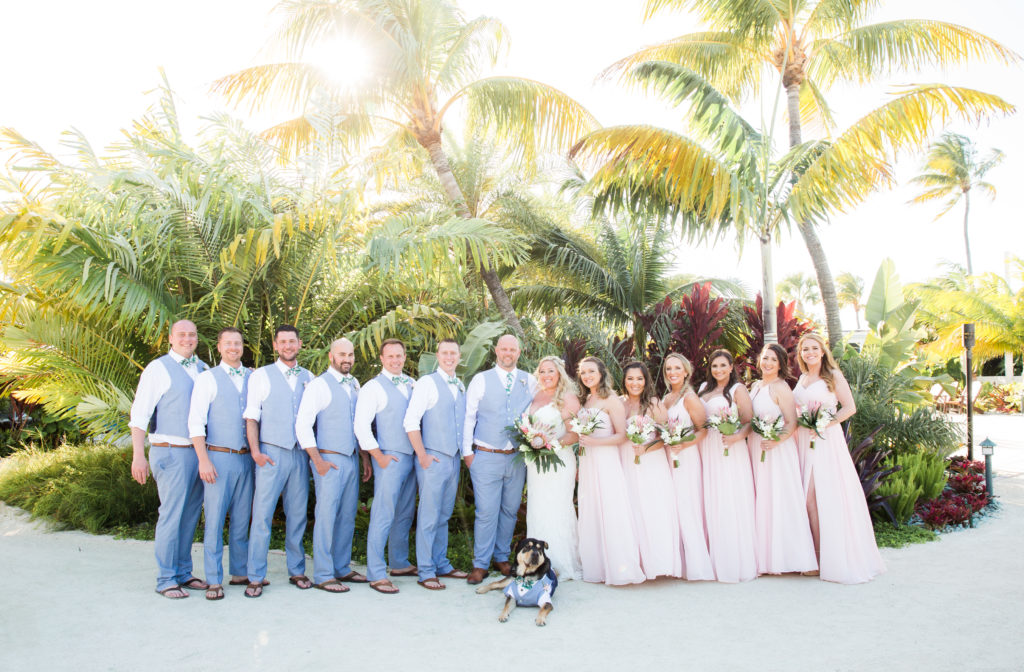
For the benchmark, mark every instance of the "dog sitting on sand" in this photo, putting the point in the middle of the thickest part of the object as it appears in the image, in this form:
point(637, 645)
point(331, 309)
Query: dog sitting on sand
point(532, 582)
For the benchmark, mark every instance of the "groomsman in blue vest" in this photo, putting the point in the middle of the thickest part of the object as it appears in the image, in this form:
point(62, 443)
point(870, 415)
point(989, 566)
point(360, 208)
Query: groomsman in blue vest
point(282, 468)
point(383, 401)
point(329, 404)
point(217, 429)
point(437, 412)
point(494, 399)
point(161, 409)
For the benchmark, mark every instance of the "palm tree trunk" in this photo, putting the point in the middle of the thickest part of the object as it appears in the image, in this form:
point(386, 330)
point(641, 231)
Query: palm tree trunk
point(967, 240)
point(771, 334)
point(826, 285)
point(490, 277)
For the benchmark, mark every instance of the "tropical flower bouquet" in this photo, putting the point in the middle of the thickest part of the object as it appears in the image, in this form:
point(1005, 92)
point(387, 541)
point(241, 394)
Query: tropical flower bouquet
point(585, 422)
point(726, 421)
point(815, 417)
point(675, 432)
point(640, 430)
point(534, 443)
point(768, 428)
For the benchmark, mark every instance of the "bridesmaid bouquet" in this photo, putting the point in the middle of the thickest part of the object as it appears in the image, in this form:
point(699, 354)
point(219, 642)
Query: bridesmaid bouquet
point(534, 444)
point(585, 422)
point(640, 429)
point(768, 428)
point(675, 432)
point(816, 418)
point(727, 422)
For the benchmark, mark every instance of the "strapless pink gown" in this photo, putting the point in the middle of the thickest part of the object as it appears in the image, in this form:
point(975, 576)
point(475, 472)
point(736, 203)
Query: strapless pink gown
point(689, 496)
point(846, 537)
point(728, 503)
point(609, 551)
point(652, 500)
point(784, 542)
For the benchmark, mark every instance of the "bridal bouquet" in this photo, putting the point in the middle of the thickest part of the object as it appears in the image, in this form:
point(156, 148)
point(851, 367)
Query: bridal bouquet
point(675, 432)
point(585, 422)
point(768, 428)
point(534, 443)
point(640, 430)
point(815, 417)
point(726, 421)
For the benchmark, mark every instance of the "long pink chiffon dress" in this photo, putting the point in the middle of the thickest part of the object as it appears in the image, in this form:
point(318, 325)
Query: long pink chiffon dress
point(784, 542)
point(652, 500)
point(728, 501)
point(609, 551)
point(846, 537)
point(689, 499)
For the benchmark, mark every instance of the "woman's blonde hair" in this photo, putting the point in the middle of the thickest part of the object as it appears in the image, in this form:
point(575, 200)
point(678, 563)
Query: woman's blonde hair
point(828, 362)
point(687, 366)
point(565, 384)
point(607, 386)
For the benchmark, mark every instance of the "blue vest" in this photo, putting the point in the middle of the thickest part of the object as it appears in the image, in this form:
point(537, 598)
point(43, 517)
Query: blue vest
point(171, 413)
point(442, 425)
point(334, 423)
point(498, 409)
point(225, 425)
point(277, 415)
point(390, 432)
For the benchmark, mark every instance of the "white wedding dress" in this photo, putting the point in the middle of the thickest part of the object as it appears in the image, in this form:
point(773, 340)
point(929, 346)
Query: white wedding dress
point(550, 514)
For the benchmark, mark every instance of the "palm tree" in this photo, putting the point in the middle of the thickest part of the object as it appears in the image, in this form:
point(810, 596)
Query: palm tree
point(428, 58)
point(850, 292)
point(800, 288)
point(807, 47)
point(952, 169)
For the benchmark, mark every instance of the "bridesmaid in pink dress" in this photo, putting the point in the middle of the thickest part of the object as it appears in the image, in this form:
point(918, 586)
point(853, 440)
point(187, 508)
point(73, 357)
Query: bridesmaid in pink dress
point(682, 404)
point(649, 483)
point(784, 542)
point(844, 538)
point(728, 480)
point(609, 550)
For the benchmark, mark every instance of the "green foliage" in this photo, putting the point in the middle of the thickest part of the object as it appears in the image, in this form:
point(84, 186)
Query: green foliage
point(478, 345)
point(922, 476)
point(890, 318)
point(888, 535)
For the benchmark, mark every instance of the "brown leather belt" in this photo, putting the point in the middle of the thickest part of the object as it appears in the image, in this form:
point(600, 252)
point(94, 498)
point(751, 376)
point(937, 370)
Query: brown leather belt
point(168, 445)
point(492, 450)
point(222, 449)
point(329, 452)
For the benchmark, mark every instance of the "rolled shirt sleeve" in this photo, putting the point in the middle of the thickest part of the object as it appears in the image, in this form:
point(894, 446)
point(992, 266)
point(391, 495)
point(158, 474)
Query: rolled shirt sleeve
point(259, 390)
point(153, 383)
point(424, 397)
point(315, 398)
point(474, 393)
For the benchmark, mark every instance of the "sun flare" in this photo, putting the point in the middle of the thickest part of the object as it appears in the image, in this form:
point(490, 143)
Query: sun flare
point(344, 61)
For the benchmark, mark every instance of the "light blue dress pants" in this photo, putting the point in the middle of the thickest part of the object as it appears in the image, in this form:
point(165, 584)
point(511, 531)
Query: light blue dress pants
point(232, 492)
point(437, 487)
point(394, 505)
point(176, 472)
point(288, 478)
point(337, 497)
point(498, 482)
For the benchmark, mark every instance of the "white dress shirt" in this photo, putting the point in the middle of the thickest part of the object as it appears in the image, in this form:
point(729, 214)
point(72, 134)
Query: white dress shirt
point(372, 400)
point(203, 393)
point(153, 384)
point(474, 393)
point(424, 398)
point(316, 398)
point(259, 390)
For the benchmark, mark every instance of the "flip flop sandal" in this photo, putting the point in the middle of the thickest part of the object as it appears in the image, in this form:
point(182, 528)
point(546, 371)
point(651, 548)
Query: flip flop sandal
point(455, 574)
point(253, 590)
point(302, 582)
point(353, 577)
point(380, 586)
point(326, 586)
point(195, 584)
point(244, 582)
point(432, 584)
point(215, 593)
point(405, 571)
point(165, 592)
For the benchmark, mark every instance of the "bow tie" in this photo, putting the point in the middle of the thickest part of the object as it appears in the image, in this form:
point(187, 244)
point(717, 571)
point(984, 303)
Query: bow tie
point(240, 371)
point(294, 371)
point(347, 380)
point(401, 380)
point(189, 361)
point(452, 381)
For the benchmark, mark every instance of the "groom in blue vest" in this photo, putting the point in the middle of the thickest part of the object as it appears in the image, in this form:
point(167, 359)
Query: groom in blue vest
point(282, 468)
point(161, 408)
point(434, 421)
point(383, 401)
point(494, 399)
point(329, 405)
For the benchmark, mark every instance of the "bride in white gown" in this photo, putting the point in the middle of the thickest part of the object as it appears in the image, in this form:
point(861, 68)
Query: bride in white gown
point(550, 514)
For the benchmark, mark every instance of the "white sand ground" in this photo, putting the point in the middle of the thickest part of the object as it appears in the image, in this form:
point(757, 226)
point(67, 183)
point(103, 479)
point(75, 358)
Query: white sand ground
point(74, 601)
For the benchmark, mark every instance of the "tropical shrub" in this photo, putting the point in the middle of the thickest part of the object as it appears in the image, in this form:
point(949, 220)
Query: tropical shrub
point(789, 328)
point(921, 477)
point(999, 398)
point(869, 460)
point(964, 495)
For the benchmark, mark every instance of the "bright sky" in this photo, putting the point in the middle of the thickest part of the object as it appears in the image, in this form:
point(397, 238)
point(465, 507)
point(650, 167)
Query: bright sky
point(89, 65)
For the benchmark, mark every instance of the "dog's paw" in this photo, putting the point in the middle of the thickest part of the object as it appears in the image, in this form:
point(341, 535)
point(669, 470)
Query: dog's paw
point(481, 590)
point(540, 622)
point(502, 619)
